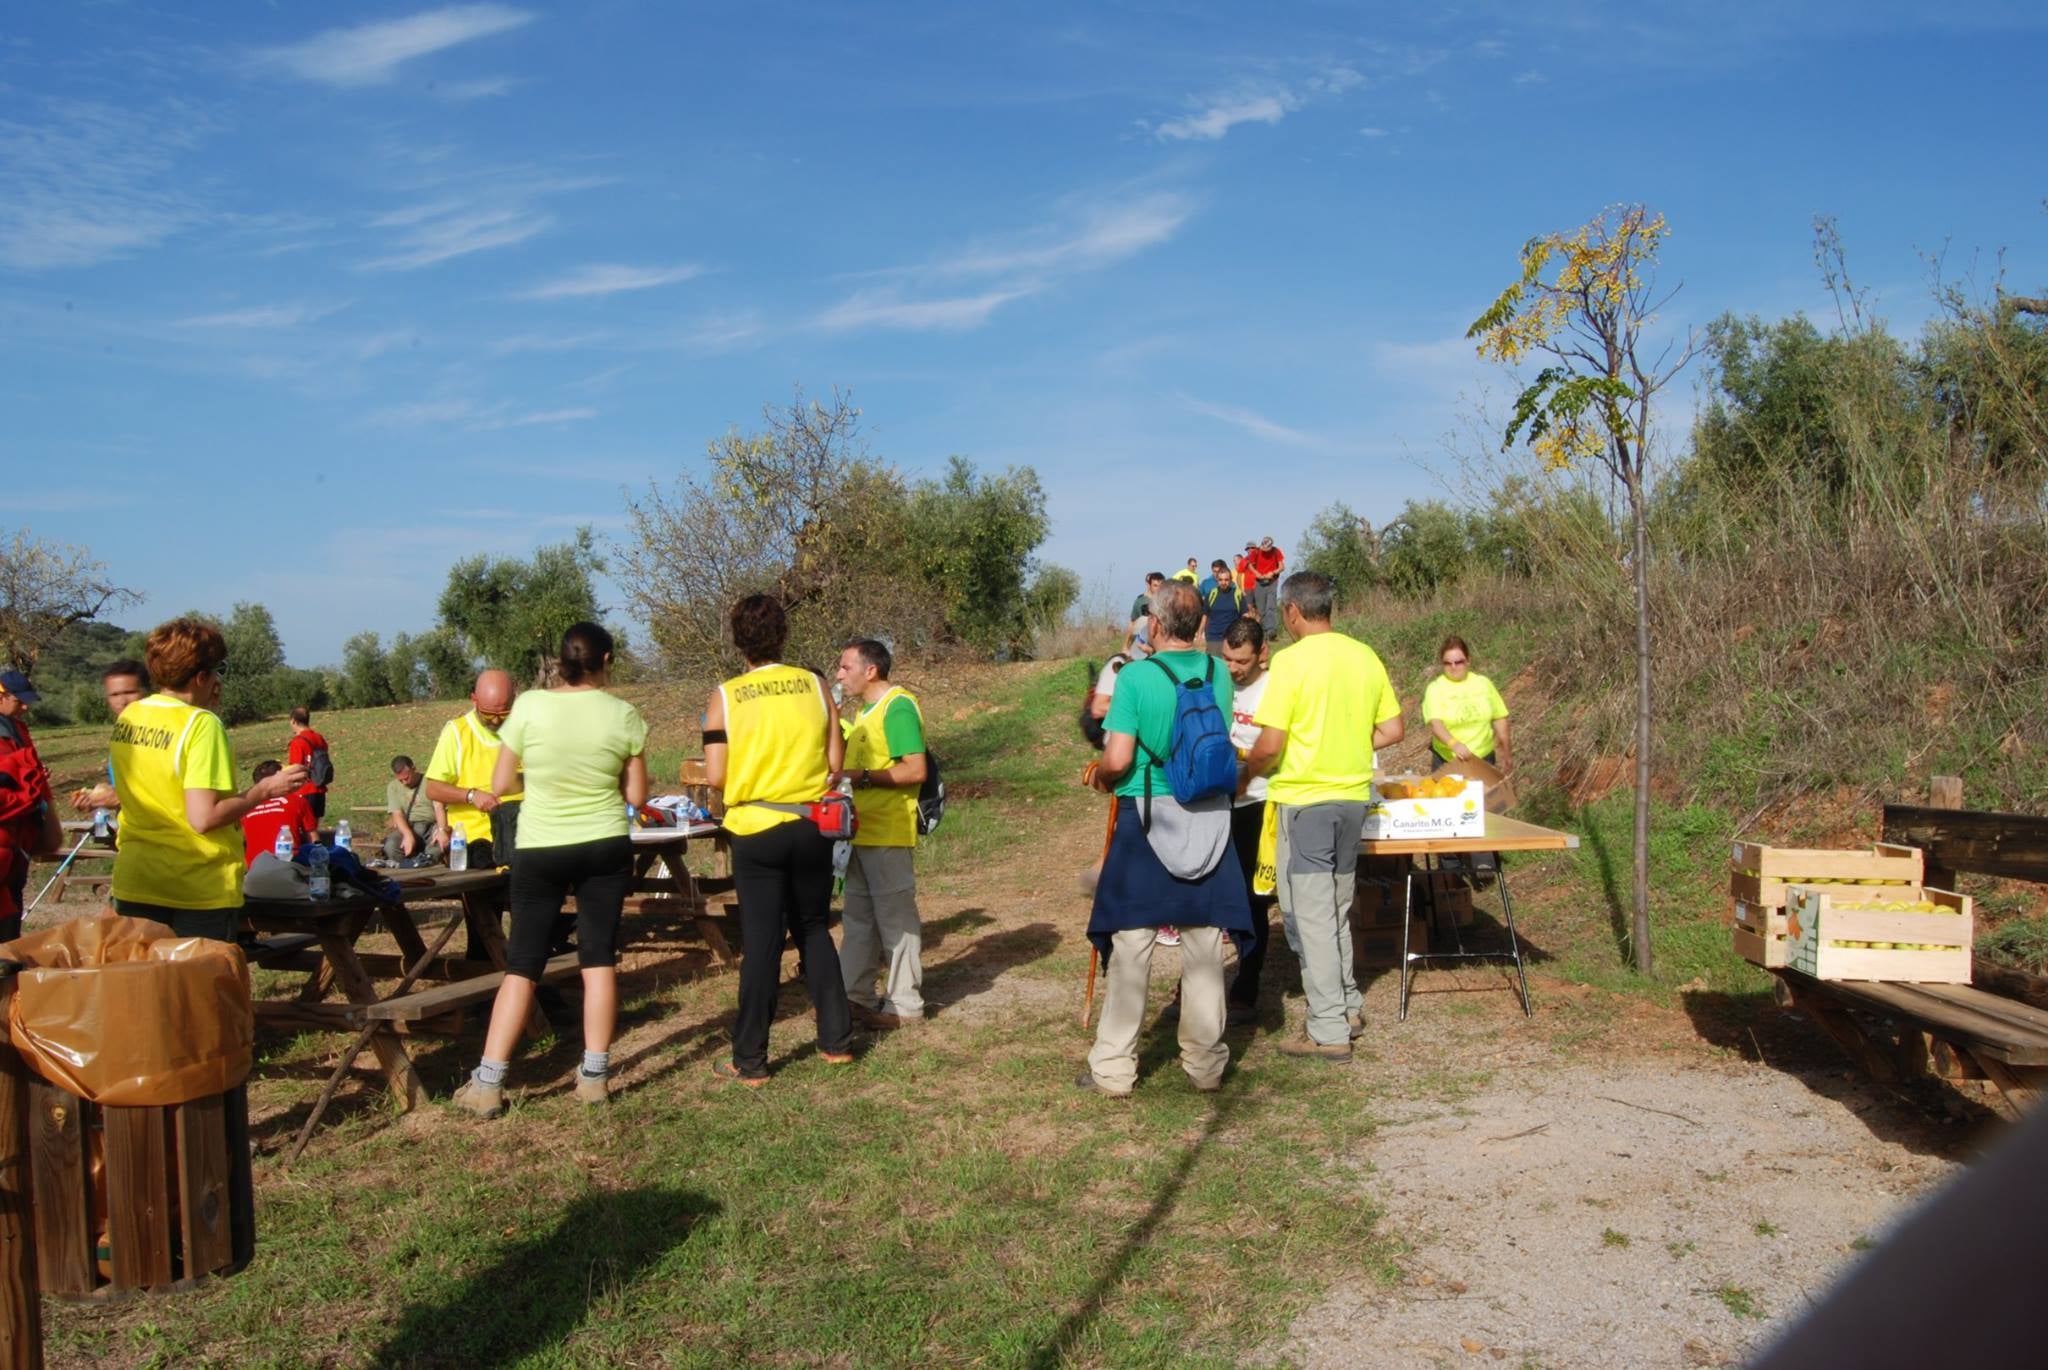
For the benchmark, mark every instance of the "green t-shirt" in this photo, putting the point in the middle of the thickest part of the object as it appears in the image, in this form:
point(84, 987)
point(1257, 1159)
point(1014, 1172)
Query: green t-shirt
point(1143, 707)
point(411, 805)
point(1327, 692)
point(1467, 708)
point(572, 745)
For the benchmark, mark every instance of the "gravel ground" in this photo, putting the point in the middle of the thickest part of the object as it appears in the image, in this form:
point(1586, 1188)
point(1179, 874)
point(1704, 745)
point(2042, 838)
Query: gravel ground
point(1639, 1213)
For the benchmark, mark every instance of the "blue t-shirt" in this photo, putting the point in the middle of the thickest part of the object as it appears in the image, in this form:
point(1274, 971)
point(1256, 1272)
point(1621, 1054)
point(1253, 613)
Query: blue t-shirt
point(1225, 608)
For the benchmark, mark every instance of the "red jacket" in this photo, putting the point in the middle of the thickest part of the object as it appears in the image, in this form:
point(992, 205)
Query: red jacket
point(299, 752)
point(1265, 564)
point(260, 825)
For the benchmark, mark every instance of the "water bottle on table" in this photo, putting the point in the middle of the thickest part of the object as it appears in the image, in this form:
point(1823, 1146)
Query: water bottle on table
point(322, 883)
point(282, 848)
point(344, 836)
point(458, 851)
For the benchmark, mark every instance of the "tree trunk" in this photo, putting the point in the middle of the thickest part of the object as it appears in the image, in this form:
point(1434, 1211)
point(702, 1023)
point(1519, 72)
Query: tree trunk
point(1640, 516)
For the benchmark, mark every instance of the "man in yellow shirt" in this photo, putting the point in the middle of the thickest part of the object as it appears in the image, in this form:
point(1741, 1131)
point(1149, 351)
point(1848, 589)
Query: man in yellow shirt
point(459, 777)
point(1328, 704)
point(458, 783)
point(885, 760)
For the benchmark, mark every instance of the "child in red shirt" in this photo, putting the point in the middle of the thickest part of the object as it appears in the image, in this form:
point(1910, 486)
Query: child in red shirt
point(261, 824)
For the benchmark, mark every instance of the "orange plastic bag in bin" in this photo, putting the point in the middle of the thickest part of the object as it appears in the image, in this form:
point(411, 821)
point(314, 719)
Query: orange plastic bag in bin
point(123, 1011)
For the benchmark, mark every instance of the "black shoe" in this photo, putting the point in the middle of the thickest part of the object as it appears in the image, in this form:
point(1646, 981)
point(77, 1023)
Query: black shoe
point(1241, 1015)
point(1086, 1081)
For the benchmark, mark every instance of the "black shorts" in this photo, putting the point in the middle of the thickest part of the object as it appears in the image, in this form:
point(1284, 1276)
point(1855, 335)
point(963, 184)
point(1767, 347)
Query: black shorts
point(598, 873)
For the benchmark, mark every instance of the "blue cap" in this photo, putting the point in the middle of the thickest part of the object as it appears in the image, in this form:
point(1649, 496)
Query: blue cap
point(16, 684)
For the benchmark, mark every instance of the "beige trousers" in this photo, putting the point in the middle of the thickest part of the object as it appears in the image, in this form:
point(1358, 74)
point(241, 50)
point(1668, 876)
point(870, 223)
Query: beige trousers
point(880, 930)
point(1203, 1054)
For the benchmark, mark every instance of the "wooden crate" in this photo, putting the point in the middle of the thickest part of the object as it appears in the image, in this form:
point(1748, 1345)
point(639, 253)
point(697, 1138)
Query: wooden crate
point(171, 1201)
point(1760, 934)
point(1379, 948)
point(1820, 917)
point(1801, 865)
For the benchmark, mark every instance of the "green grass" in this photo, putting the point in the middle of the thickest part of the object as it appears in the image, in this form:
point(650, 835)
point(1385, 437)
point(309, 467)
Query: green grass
point(1738, 1301)
point(2021, 943)
point(1765, 1228)
point(1610, 1237)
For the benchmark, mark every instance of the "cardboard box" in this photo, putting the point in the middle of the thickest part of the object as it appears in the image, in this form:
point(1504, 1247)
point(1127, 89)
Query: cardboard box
point(1500, 790)
point(1913, 946)
point(1380, 948)
point(1463, 815)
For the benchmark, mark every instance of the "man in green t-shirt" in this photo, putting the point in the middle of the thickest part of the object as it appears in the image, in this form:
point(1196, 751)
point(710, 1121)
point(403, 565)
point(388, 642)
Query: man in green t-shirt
point(1328, 705)
point(885, 760)
point(408, 813)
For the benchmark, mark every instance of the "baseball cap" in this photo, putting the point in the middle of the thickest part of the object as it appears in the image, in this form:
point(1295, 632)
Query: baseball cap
point(16, 684)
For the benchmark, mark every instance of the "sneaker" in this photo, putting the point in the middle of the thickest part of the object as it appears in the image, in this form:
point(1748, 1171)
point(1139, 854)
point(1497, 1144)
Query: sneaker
point(1356, 1022)
point(592, 1089)
point(835, 1058)
point(1086, 1081)
point(1336, 1052)
point(1168, 937)
point(730, 1073)
point(479, 1101)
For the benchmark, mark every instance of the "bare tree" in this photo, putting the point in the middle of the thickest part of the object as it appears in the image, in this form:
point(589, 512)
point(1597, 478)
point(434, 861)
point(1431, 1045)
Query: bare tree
point(45, 587)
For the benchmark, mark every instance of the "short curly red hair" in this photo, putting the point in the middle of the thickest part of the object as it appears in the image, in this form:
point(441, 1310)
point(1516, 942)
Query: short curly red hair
point(181, 649)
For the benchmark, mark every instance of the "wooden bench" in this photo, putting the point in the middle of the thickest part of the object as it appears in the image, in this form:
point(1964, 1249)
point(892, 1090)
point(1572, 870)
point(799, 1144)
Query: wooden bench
point(446, 998)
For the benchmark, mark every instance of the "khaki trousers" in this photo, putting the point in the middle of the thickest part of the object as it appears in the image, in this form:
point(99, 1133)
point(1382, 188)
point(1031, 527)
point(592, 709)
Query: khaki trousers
point(1317, 856)
point(1203, 1054)
point(881, 928)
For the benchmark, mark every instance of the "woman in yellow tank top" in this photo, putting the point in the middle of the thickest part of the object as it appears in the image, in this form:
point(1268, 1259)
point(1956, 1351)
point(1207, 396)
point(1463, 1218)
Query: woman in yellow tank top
point(769, 740)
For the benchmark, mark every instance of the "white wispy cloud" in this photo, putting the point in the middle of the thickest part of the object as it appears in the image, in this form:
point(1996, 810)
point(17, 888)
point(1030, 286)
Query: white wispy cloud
point(1214, 116)
point(429, 238)
point(886, 309)
point(1253, 422)
point(610, 279)
point(483, 89)
point(1371, 132)
point(263, 316)
point(420, 414)
point(548, 342)
point(1530, 78)
point(1106, 233)
point(88, 182)
point(371, 54)
point(535, 419)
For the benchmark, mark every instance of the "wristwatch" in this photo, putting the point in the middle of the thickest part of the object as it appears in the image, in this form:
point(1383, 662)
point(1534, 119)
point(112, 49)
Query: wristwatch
point(469, 798)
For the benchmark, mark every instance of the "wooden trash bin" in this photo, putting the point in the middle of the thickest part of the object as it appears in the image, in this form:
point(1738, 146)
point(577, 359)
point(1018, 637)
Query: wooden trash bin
point(132, 1199)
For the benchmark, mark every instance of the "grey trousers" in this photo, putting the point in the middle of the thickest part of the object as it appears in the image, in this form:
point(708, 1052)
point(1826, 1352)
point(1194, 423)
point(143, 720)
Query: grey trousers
point(1317, 857)
point(1203, 1052)
point(881, 930)
point(1266, 599)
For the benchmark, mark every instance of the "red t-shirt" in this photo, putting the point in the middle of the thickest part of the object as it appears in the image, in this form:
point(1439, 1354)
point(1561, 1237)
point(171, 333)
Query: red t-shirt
point(260, 825)
point(299, 752)
point(1265, 564)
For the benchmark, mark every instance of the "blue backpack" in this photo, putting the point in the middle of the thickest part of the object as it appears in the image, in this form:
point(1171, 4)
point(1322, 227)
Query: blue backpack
point(1200, 760)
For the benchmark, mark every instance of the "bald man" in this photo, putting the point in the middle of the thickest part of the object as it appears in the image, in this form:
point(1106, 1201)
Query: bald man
point(459, 777)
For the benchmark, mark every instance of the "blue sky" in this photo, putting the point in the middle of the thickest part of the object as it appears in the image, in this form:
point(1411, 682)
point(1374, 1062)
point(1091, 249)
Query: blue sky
point(300, 303)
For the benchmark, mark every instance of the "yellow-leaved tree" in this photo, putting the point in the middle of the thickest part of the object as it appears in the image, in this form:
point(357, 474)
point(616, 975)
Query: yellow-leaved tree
point(1581, 306)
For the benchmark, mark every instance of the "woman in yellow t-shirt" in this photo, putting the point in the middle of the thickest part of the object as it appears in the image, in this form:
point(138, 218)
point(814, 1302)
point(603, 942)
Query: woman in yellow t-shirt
point(181, 844)
point(583, 751)
point(771, 744)
point(1466, 717)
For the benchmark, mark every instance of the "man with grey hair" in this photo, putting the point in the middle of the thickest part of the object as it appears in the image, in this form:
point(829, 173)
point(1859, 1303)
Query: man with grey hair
point(1168, 863)
point(1328, 704)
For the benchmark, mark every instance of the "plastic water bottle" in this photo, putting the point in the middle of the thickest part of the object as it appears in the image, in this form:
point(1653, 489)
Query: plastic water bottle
point(282, 848)
point(322, 884)
point(99, 825)
point(458, 851)
point(344, 836)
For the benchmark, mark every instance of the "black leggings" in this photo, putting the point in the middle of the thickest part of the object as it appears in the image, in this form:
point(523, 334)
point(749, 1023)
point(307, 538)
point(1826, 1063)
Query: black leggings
point(1245, 822)
point(784, 881)
point(597, 873)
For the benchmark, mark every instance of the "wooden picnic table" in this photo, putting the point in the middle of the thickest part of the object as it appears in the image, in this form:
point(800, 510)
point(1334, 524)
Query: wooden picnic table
point(659, 870)
point(1502, 834)
point(320, 938)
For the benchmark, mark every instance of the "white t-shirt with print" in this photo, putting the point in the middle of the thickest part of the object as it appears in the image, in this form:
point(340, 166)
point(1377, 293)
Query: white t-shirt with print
point(1244, 733)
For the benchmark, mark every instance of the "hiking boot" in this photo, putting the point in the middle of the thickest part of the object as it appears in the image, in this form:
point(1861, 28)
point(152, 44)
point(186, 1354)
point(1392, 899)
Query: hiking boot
point(835, 1058)
point(728, 1072)
point(1213, 1087)
point(592, 1089)
point(479, 1101)
point(1336, 1052)
point(1241, 1015)
point(1086, 1081)
point(1356, 1023)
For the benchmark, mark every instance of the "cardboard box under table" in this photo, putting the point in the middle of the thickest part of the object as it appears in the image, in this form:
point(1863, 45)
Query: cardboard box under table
point(1760, 876)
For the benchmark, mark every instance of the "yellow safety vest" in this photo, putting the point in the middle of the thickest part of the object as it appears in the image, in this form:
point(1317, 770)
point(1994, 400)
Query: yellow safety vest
point(476, 760)
point(775, 719)
point(161, 748)
point(888, 816)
